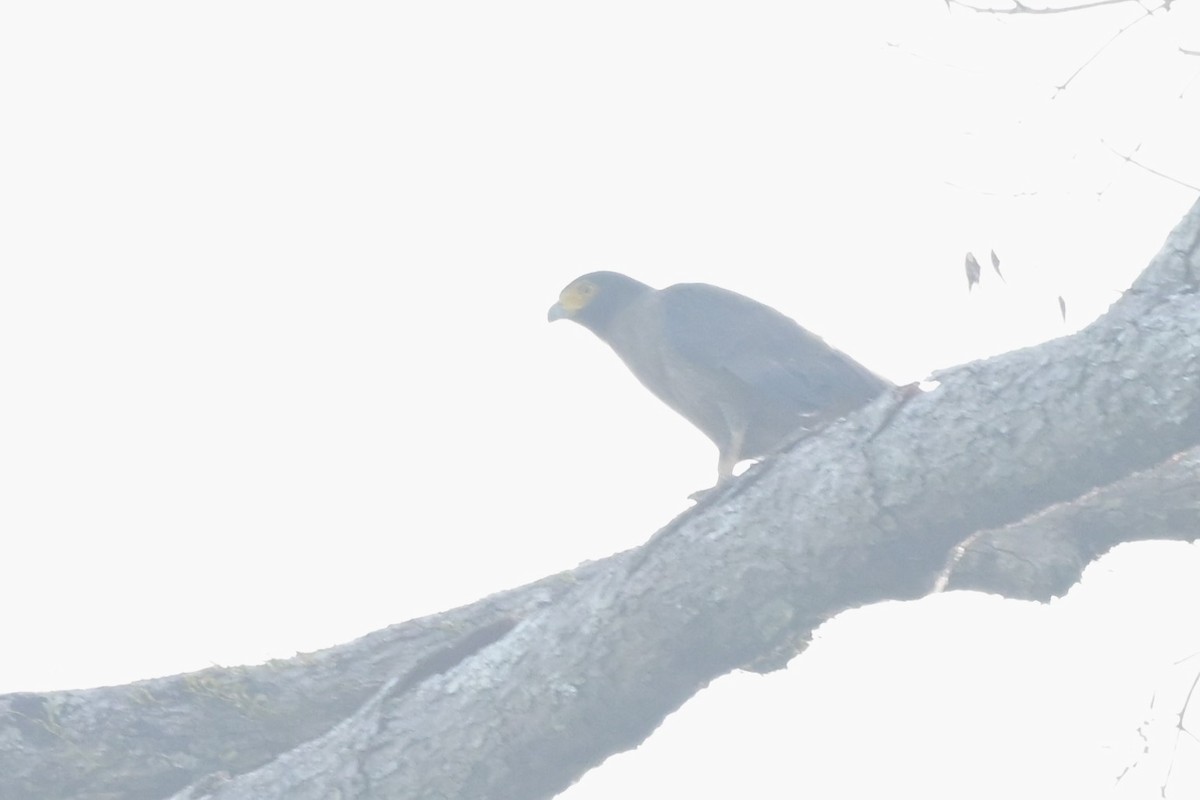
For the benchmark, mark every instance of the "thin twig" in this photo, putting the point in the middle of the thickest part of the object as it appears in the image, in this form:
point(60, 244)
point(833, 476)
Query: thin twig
point(1180, 729)
point(1151, 170)
point(1189, 83)
point(1020, 8)
point(1061, 88)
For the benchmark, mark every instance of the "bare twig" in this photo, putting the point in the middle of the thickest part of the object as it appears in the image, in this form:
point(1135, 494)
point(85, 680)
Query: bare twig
point(1151, 170)
point(1120, 32)
point(1141, 733)
point(1180, 729)
point(1020, 8)
point(984, 193)
point(1189, 83)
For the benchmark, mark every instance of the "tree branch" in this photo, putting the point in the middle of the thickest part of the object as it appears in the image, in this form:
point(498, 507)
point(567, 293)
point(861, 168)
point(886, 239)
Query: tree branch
point(1044, 555)
point(1018, 7)
point(517, 696)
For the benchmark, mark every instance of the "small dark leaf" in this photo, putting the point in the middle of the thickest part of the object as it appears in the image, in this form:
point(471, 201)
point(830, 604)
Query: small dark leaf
point(1062, 307)
point(996, 265)
point(972, 271)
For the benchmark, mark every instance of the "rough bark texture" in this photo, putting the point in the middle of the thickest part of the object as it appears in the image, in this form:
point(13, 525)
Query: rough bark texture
point(1009, 477)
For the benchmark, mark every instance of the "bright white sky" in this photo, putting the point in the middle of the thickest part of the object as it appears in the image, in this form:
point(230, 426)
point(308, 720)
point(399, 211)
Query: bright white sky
point(277, 370)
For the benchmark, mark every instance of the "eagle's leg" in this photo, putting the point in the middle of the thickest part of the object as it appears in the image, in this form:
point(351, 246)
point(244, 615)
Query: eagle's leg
point(730, 456)
point(731, 451)
point(725, 464)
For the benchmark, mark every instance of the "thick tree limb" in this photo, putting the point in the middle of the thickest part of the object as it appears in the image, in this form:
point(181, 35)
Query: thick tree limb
point(148, 739)
point(1043, 555)
point(516, 696)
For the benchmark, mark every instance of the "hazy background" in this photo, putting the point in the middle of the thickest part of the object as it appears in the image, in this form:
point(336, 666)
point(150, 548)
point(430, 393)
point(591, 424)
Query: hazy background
point(276, 370)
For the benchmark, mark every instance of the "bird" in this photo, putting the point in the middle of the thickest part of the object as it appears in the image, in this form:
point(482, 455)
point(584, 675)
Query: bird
point(746, 375)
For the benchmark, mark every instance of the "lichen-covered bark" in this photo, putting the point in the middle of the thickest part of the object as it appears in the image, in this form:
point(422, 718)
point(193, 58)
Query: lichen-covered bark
point(519, 699)
point(1043, 555)
point(150, 738)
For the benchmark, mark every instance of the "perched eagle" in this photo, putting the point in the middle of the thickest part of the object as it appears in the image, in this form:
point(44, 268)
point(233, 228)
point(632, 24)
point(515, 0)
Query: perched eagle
point(744, 374)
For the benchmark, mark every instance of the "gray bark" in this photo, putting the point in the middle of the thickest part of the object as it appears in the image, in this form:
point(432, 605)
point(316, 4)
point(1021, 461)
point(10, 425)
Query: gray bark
point(1009, 477)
